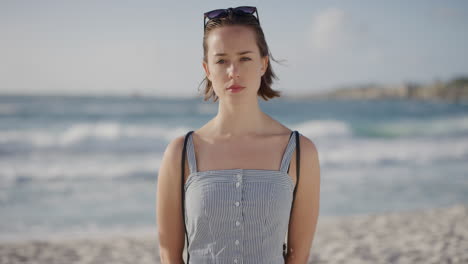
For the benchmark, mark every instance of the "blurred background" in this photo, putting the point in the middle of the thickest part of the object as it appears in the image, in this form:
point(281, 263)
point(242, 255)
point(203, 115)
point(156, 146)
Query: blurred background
point(91, 93)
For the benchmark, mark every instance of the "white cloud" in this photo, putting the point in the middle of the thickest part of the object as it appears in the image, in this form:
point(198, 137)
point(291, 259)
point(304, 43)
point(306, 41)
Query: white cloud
point(333, 30)
point(340, 49)
point(328, 29)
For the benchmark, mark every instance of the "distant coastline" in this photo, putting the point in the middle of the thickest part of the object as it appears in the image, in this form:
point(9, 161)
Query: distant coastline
point(454, 91)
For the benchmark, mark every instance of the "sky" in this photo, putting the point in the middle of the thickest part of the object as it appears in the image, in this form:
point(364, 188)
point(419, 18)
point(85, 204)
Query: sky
point(155, 47)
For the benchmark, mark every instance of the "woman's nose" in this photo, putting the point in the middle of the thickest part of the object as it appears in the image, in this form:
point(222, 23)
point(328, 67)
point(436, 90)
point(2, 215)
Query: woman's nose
point(233, 71)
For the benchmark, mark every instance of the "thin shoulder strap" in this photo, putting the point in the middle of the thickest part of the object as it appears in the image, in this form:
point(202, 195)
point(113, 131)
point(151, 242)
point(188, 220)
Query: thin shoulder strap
point(288, 152)
point(183, 190)
point(191, 154)
point(298, 159)
point(298, 164)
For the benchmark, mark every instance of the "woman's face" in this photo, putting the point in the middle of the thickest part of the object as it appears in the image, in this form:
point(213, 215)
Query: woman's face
point(234, 58)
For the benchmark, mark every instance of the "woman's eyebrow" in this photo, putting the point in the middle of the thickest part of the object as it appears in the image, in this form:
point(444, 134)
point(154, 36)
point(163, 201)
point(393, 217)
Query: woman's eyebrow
point(240, 53)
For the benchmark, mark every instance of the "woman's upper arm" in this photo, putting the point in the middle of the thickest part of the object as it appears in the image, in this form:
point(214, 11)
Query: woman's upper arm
point(305, 212)
point(171, 232)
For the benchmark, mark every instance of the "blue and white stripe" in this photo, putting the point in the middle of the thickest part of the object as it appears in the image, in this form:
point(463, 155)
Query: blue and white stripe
point(238, 215)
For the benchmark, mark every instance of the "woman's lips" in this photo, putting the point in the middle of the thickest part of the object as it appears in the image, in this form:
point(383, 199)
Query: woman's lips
point(235, 88)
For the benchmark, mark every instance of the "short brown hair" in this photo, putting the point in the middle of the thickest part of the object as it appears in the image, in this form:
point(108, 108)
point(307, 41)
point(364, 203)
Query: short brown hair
point(265, 91)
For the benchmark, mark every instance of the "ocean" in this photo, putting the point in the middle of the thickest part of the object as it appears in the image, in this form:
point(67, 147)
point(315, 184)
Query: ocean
point(88, 165)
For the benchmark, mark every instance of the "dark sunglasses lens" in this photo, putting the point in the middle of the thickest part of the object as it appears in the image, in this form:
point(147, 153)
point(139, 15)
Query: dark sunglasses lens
point(216, 13)
point(244, 10)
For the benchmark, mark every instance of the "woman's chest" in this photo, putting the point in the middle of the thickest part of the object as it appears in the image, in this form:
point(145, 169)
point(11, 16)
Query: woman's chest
point(265, 155)
point(231, 194)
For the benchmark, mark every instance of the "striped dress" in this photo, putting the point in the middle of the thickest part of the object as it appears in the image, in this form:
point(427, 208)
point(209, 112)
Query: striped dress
point(237, 215)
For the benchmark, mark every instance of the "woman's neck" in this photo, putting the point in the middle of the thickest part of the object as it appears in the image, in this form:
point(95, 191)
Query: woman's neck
point(239, 120)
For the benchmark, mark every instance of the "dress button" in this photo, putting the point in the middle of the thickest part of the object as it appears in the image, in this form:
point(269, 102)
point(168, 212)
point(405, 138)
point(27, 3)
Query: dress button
point(237, 223)
point(237, 203)
point(235, 260)
point(237, 242)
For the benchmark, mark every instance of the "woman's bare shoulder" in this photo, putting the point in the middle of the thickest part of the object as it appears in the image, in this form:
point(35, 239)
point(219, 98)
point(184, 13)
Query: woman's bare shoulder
point(283, 129)
point(308, 147)
point(277, 127)
point(306, 144)
point(173, 151)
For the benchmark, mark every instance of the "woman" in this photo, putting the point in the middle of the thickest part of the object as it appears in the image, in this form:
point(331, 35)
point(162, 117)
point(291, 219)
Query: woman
point(238, 181)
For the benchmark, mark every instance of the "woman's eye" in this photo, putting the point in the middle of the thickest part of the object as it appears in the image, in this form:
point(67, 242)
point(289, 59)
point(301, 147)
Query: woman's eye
point(243, 58)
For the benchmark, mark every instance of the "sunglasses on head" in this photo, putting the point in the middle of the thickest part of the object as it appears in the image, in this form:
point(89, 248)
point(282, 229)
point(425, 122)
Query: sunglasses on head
point(238, 11)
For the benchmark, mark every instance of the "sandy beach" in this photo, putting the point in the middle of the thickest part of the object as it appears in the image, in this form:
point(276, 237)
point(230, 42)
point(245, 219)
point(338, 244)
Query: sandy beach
point(424, 236)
